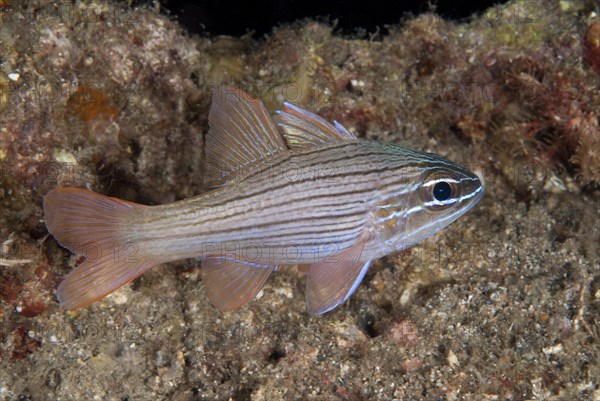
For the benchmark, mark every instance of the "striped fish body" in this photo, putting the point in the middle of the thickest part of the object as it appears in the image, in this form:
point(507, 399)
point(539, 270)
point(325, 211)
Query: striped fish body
point(317, 197)
point(297, 209)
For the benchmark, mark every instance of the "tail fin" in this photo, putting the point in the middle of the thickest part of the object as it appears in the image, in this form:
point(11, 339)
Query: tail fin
point(99, 228)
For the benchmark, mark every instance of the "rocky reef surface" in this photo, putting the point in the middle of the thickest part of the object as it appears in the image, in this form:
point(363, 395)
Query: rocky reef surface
point(502, 305)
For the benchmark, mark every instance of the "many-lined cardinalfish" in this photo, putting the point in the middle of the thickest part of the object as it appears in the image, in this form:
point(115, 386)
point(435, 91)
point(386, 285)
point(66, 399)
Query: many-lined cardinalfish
point(294, 190)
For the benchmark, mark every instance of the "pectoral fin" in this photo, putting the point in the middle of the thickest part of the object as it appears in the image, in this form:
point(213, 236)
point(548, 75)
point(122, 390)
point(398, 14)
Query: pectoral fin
point(332, 281)
point(231, 283)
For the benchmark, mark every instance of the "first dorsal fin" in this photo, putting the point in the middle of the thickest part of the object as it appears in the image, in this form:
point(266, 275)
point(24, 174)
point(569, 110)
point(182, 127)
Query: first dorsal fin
point(303, 129)
point(241, 132)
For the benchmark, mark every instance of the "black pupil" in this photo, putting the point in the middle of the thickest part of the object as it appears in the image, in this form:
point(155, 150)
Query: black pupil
point(442, 191)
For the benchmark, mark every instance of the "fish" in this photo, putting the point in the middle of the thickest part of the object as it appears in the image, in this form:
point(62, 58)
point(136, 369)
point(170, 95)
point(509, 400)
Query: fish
point(290, 189)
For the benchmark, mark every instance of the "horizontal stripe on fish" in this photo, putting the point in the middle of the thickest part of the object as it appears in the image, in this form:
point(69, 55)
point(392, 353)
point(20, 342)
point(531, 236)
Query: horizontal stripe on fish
point(248, 222)
point(269, 229)
point(326, 156)
point(291, 188)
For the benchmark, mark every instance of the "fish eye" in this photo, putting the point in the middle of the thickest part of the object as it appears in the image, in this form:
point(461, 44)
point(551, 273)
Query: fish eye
point(442, 191)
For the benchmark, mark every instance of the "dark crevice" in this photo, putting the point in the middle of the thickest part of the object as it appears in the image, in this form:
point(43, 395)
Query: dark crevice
point(276, 355)
point(366, 322)
point(237, 18)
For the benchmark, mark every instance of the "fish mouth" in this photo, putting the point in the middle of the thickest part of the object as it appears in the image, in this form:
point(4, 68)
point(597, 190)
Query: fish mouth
point(481, 189)
point(472, 192)
point(477, 197)
point(478, 190)
point(479, 175)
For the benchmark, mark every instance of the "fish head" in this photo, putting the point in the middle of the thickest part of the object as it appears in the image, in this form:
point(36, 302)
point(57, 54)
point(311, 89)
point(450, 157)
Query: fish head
point(439, 194)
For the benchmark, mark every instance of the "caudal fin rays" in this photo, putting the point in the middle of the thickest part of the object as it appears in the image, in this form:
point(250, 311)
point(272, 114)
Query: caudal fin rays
point(99, 228)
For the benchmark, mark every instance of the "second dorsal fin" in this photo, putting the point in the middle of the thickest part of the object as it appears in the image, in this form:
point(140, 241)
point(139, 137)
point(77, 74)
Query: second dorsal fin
point(241, 132)
point(303, 129)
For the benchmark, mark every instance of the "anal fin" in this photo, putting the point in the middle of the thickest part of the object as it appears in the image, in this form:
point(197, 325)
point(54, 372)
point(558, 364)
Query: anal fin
point(231, 283)
point(331, 282)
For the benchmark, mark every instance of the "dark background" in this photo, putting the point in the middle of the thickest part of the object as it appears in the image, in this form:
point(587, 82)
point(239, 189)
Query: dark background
point(238, 17)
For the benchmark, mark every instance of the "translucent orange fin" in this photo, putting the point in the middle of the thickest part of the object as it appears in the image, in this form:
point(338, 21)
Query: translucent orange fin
point(241, 132)
point(97, 277)
point(304, 130)
point(331, 282)
point(231, 283)
point(99, 228)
